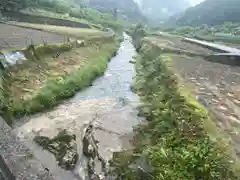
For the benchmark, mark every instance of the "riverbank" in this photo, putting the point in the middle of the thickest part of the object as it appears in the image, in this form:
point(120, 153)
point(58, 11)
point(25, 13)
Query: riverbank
point(102, 114)
point(176, 143)
point(43, 82)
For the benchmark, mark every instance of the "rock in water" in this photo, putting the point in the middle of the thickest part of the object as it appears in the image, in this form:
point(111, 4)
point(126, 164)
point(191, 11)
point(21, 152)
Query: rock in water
point(63, 146)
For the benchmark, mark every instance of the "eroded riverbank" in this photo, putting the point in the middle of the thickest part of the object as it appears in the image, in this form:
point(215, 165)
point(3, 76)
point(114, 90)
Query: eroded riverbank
point(108, 105)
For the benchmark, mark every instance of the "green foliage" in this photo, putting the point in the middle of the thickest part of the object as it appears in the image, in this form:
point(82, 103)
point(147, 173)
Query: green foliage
point(211, 12)
point(106, 20)
point(11, 5)
point(183, 30)
point(69, 8)
point(59, 6)
point(178, 147)
point(124, 10)
point(137, 33)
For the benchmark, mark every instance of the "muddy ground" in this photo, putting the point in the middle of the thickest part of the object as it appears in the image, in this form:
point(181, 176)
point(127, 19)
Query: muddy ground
point(17, 37)
point(215, 85)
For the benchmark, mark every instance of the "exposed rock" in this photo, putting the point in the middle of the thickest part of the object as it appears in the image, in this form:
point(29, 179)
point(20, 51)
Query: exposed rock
point(90, 150)
point(63, 146)
point(132, 61)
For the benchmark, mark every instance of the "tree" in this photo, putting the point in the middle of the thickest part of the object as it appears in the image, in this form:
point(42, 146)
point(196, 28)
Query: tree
point(138, 33)
point(11, 5)
point(115, 13)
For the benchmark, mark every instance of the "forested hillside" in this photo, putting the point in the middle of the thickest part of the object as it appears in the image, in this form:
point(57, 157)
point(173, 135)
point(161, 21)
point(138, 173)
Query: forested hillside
point(211, 12)
point(161, 9)
point(124, 9)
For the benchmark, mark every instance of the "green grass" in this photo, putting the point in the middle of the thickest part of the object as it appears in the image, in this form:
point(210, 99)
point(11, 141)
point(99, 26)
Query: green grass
point(57, 87)
point(176, 142)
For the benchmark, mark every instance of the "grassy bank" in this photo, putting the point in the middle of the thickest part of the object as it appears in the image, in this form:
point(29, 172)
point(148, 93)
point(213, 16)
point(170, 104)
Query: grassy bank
point(43, 82)
point(175, 144)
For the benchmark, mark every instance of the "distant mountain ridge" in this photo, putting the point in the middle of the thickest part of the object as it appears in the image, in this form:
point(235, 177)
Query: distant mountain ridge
point(162, 9)
point(211, 12)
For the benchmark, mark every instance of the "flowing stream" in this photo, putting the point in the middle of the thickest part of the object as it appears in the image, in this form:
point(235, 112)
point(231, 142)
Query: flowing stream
point(108, 105)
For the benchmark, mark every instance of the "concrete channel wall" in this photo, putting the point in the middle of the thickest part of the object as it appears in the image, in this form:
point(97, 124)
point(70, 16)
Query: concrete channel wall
point(213, 46)
point(16, 161)
point(5, 173)
point(226, 55)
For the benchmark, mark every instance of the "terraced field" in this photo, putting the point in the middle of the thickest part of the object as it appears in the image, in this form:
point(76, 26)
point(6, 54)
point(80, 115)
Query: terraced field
point(18, 37)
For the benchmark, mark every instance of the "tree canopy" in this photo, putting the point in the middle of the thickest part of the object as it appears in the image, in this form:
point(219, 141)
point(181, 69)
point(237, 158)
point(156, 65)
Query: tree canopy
point(11, 5)
point(211, 12)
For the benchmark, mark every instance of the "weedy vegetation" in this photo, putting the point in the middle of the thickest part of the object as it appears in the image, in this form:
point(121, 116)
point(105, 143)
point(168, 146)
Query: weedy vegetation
point(175, 143)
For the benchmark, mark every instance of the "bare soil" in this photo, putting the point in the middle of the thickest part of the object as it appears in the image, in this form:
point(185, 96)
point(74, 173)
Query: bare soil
point(18, 37)
point(177, 44)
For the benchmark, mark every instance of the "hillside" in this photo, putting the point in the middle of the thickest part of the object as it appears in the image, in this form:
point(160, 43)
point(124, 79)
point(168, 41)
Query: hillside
point(211, 12)
point(124, 9)
point(161, 9)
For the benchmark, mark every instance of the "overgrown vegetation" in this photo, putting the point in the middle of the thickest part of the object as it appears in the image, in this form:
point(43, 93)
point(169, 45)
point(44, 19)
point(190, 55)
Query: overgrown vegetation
point(64, 9)
point(43, 82)
point(138, 32)
point(175, 143)
point(227, 28)
point(228, 32)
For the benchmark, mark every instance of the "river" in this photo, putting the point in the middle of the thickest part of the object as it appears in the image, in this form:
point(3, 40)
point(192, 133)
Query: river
point(109, 104)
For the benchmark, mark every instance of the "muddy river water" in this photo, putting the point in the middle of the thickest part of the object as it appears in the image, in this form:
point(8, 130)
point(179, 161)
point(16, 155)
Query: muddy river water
point(109, 105)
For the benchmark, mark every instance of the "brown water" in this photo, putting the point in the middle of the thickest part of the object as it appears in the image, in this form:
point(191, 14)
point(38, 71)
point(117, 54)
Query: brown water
point(108, 104)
